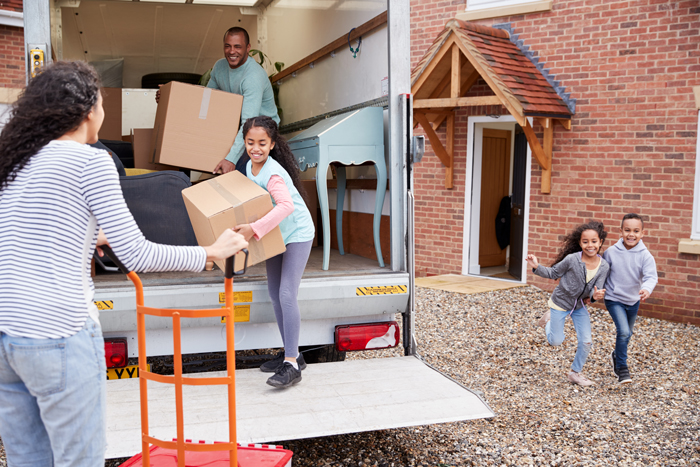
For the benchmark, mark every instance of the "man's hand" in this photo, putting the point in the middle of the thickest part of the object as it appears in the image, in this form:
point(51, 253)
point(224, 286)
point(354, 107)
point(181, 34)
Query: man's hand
point(246, 230)
point(598, 294)
point(101, 241)
point(532, 261)
point(644, 294)
point(158, 94)
point(225, 166)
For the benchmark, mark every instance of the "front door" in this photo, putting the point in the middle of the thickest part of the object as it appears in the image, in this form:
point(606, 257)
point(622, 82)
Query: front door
point(495, 178)
point(517, 212)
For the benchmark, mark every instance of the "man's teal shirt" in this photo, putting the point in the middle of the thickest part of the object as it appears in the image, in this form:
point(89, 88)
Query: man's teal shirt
point(249, 80)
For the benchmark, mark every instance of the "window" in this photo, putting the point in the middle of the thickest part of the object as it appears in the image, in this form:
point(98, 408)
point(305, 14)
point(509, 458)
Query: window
point(481, 9)
point(695, 231)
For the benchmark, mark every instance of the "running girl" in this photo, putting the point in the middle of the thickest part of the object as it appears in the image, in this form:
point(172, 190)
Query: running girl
point(272, 166)
point(582, 271)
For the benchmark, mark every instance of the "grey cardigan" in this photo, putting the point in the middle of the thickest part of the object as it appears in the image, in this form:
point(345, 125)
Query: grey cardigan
point(573, 288)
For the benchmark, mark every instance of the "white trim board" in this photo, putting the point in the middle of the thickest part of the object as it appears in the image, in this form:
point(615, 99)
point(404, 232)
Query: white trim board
point(474, 125)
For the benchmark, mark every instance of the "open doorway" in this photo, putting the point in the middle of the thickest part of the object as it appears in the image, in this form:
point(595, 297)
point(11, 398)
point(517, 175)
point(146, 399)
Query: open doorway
point(496, 199)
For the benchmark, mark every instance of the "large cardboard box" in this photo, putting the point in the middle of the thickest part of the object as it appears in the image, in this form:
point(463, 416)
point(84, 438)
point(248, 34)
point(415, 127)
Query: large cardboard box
point(111, 128)
point(141, 139)
point(195, 126)
point(226, 201)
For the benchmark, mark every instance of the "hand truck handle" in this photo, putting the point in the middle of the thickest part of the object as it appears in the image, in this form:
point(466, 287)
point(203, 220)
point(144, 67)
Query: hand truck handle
point(107, 250)
point(229, 272)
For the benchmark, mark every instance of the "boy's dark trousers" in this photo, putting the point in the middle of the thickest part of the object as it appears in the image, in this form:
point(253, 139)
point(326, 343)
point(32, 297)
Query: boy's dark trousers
point(624, 317)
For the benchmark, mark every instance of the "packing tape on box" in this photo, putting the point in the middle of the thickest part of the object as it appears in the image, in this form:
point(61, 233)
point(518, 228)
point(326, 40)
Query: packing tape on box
point(204, 108)
point(230, 197)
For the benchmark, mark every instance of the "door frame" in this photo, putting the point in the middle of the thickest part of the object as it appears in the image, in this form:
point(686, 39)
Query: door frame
point(472, 193)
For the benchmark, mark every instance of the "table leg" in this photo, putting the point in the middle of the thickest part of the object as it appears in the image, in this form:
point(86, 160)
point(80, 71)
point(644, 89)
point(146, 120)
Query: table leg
point(322, 189)
point(380, 167)
point(340, 173)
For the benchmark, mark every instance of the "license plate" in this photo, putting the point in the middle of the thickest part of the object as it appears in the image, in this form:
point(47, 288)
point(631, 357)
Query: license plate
point(131, 371)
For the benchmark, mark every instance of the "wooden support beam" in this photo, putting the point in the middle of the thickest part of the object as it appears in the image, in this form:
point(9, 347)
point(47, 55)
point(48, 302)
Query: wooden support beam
point(439, 55)
point(449, 172)
point(434, 139)
point(564, 123)
point(535, 145)
point(342, 41)
point(456, 81)
point(548, 144)
point(455, 102)
point(469, 81)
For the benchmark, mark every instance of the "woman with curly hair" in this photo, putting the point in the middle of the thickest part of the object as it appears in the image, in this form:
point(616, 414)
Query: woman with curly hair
point(59, 200)
point(582, 272)
point(272, 166)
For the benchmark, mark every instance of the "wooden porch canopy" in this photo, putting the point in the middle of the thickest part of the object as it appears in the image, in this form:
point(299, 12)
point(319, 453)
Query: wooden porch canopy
point(460, 55)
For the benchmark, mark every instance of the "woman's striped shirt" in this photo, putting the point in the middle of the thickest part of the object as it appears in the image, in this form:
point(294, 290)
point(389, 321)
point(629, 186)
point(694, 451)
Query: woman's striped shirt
point(49, 219)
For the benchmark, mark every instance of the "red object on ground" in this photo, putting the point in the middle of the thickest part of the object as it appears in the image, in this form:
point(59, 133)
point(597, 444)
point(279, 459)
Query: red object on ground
point(248, 456)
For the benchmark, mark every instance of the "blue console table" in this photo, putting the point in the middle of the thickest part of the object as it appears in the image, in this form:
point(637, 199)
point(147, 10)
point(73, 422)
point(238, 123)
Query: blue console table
point(352, 138)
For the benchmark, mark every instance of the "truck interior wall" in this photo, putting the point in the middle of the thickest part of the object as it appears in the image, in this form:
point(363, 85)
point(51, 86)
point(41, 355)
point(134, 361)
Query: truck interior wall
point(151, 37)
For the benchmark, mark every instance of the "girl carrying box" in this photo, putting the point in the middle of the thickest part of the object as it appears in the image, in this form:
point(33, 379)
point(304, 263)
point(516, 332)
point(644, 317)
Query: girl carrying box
point(272, 166)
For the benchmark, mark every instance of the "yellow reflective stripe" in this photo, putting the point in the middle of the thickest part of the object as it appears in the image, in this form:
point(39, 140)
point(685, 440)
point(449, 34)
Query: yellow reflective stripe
point(381, 290)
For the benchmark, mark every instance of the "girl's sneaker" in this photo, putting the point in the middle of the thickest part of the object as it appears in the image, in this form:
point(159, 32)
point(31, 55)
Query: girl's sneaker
point(285, 376)
point(272, 366)
point(614, 364)
point(578, 378)
point(544, 319)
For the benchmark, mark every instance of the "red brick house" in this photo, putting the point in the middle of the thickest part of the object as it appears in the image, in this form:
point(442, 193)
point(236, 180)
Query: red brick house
point(630, 71)
point(12, 64)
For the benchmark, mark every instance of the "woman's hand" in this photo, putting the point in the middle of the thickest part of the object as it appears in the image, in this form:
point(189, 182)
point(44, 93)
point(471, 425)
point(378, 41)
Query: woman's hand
point(246, 230)
point(532, 261)
point(228, 244)
point(101, 241)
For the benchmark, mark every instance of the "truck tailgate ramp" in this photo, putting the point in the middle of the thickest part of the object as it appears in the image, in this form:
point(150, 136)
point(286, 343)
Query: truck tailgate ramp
point(333, 398)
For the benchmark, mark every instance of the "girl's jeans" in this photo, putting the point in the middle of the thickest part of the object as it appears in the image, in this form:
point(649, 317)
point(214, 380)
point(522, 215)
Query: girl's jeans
point(624, 317)
point(52, 399)
point(582, 324)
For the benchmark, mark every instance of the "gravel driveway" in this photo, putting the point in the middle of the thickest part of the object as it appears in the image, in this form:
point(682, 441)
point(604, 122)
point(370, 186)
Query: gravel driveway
point(489, 342)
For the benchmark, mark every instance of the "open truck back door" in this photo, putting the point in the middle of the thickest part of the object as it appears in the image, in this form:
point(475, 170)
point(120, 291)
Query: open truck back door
point(333, 398)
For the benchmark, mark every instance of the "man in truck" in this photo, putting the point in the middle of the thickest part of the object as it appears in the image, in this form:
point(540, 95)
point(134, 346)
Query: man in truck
point(237, 74)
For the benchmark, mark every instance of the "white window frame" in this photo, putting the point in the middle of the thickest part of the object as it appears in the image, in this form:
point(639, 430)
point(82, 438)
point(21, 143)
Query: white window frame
point(501, 8)
point(695, 231)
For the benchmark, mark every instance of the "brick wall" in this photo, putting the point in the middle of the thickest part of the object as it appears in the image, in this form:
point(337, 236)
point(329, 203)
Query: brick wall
point(631, 65)
point(12, 66)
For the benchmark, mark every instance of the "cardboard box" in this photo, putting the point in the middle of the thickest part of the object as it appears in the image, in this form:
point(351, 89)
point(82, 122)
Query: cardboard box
point(195, 126)
point(111, 128)
point(226, 201)
point(141, 145)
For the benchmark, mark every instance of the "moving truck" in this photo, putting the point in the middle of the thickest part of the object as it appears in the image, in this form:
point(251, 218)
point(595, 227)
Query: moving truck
point(334, 397)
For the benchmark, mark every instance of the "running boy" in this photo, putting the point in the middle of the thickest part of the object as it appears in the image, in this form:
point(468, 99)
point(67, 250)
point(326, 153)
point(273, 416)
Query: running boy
point(632, 280)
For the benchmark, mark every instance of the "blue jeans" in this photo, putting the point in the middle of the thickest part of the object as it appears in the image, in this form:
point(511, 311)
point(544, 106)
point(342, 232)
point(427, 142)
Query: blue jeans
point(52, 399)
point(624, 317)
point(582, 324)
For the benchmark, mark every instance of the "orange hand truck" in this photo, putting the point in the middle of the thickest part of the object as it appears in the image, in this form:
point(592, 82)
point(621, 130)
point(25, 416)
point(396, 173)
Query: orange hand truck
point(180, 445)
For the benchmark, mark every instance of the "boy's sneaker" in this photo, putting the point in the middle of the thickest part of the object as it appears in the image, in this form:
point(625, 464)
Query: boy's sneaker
point(578, 378)
point(623, 376)
point(614, 364)
point(544, 319)
point(285, 376)
point(271, 366)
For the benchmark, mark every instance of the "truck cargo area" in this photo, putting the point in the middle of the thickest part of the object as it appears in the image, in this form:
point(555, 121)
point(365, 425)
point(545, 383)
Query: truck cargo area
point(333, 398)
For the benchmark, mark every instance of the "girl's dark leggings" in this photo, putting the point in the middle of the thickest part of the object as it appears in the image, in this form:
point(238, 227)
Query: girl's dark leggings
point(284, 273)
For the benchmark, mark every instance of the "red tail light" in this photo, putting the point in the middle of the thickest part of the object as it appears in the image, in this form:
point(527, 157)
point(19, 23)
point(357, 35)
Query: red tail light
point(367, 336)
point(116, 353)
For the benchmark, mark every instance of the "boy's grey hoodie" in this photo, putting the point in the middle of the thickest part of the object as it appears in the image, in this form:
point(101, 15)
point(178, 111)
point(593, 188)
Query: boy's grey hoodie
point(630, 271)
point(573, 288)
